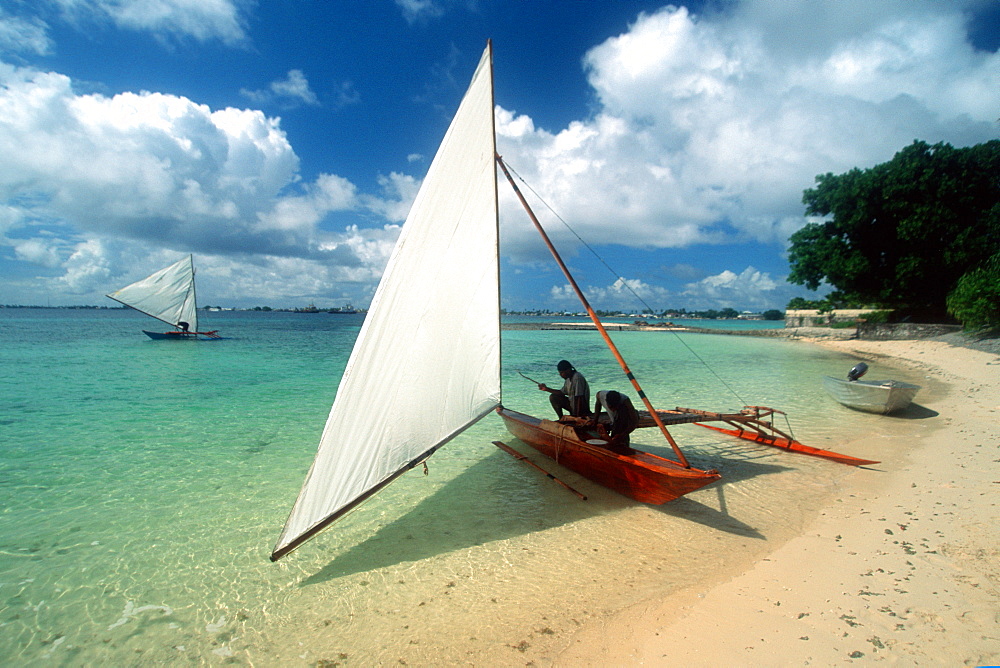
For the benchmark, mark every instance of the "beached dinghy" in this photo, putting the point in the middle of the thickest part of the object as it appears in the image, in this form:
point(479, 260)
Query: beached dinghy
point(168, 295)
point(872, 396)
point(434, 329)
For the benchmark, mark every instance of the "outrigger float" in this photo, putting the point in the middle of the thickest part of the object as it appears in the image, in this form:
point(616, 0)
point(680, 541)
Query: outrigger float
point(751, 424)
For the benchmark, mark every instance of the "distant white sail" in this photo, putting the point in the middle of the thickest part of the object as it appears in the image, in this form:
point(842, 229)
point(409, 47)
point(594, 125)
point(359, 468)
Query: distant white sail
point(426, 364)
point(167, 295)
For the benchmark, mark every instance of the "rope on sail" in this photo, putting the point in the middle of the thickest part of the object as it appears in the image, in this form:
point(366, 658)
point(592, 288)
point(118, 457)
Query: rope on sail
point(624, 282)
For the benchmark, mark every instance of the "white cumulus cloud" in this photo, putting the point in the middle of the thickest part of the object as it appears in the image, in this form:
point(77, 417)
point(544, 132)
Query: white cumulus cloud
point(23, 35)
point(748, 289)
point(98, 185)
point(141, 165)
point(202, 20)
point(708, 128)
point(292, 90)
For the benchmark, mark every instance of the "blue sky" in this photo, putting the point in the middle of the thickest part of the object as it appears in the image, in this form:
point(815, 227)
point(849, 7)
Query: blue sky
point(281, 141)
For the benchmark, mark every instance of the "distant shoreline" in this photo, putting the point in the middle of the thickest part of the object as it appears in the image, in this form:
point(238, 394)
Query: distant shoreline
point(775, 332)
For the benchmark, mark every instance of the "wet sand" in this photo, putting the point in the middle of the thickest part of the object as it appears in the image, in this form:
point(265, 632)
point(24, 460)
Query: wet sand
point(903, 567)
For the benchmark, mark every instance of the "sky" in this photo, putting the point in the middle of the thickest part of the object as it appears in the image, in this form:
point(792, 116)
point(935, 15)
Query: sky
point(281, 141)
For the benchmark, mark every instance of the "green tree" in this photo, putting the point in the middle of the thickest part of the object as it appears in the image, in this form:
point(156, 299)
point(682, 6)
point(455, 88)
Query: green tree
point(901, 234)
point(773, 314)
point(796, 303)
point(975, 301)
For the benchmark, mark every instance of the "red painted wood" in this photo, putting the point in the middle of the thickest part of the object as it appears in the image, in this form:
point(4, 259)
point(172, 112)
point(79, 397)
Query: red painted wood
point(791, 445)
point(636, 474)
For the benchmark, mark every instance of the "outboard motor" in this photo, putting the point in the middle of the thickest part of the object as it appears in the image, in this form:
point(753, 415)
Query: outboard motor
point(859, 370)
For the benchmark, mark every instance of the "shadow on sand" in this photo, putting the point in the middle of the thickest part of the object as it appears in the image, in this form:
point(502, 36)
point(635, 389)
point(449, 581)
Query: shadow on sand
point(915, 412)
point(733, 469)
point(911, 412)
point(438, 525)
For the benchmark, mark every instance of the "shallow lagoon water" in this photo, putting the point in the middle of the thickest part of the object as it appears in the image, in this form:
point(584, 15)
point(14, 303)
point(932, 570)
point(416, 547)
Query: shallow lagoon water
point(143, 484)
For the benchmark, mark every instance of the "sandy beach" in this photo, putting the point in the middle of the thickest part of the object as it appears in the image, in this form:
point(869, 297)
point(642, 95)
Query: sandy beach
point(904, 566)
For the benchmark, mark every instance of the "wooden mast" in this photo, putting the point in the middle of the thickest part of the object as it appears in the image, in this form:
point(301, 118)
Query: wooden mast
point(593, 316)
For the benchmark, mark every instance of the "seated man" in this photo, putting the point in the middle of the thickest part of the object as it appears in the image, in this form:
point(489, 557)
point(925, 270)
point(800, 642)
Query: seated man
point(574, 397)
point(624, 417)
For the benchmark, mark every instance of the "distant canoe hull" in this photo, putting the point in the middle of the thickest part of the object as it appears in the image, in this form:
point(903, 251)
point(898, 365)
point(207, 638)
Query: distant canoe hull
point(871, 396)
point(182, 336)
point(632, 473)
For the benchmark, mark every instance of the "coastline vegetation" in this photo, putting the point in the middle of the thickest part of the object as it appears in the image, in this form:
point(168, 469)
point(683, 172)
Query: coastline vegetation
point(917, 236)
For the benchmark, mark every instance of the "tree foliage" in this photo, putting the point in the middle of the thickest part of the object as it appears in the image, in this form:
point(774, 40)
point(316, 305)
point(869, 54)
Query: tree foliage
point(901, 234)
point(975, 301)
point(832, 301)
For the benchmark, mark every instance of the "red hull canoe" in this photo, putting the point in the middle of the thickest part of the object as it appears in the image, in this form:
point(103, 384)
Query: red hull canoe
point(632, 473)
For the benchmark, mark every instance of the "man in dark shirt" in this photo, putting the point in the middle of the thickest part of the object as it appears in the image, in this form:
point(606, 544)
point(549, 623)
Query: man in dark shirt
point(574, 397)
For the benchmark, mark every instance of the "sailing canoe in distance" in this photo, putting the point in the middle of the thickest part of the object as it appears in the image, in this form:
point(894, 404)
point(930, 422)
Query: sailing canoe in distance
point(167, 295)
point(429, 350)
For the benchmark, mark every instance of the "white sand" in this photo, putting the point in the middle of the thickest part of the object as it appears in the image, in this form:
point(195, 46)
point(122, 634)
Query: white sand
point(904, 567)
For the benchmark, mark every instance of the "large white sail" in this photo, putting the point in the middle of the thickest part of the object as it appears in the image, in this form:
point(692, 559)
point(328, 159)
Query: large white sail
point(426, 364)
point(167, 295)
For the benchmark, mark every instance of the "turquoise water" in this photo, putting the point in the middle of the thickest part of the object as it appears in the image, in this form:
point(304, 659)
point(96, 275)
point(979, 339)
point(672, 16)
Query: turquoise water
point(143, 483)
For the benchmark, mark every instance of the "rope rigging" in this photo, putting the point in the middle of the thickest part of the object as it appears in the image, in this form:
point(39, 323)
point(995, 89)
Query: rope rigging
point(624, 283)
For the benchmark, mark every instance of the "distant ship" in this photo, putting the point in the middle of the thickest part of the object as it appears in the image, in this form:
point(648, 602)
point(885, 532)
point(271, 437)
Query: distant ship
point(346, 308)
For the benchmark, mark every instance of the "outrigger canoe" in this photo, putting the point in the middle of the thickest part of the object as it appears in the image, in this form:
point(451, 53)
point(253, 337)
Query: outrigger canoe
point(633, 473)
point(643, 476)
